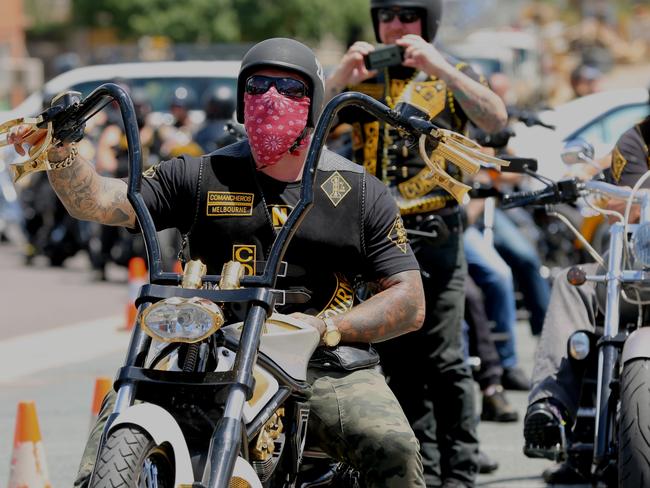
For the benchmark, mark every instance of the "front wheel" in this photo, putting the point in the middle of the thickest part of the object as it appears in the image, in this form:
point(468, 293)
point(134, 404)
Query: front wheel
point(131, 459)
point(634, 428)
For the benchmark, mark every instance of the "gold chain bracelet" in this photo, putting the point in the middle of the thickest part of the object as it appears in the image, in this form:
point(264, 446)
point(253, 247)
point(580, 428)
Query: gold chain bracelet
point(69, 159)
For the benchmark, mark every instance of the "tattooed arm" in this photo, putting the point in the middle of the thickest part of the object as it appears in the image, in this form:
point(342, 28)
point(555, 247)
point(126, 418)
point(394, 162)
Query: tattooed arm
point(89, 196)
point(85, 194)
point(397, 309)
point(350, 71)
point(482, 105)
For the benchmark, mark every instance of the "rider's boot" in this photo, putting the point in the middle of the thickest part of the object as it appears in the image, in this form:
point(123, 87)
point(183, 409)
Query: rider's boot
point(545, 427)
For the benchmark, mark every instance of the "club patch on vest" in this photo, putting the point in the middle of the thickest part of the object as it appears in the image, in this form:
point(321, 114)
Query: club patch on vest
point(618, 164)
point(371, 144)
point(151, 172)
point(335, 187)
point(246, 254)
point(428, 96)
point(229, 204)
point(422, 183)
point(342, 298)
point(397, 234)
point(279, 214)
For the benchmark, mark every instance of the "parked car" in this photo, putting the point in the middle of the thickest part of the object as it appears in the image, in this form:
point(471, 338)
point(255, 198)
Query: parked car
point(600, 119)
point(159, 80)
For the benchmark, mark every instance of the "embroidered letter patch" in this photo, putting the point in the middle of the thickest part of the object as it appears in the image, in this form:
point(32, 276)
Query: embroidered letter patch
point(229, 204)
point(246, 255)
point(279, 214)
point(342, 299)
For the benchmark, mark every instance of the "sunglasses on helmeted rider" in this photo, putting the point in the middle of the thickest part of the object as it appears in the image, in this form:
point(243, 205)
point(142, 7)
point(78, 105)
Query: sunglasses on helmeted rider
point(405, 15)
point(290, 87)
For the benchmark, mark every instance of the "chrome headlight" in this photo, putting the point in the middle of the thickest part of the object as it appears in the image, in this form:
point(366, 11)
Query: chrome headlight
point(579, 345)
point(179, 319)
point(641, 245)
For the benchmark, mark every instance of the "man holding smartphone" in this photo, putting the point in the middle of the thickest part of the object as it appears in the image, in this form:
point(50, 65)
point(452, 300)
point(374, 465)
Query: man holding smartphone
point(434, 386)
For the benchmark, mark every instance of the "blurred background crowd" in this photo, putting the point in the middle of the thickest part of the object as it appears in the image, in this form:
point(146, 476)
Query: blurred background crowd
point(537, 43)
point(566, 69)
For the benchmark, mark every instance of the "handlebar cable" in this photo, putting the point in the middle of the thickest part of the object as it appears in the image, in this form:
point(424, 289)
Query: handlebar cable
point(603, 211)
point(638, 302)
point(83, 121)
point(594, 254)
point(537, 176)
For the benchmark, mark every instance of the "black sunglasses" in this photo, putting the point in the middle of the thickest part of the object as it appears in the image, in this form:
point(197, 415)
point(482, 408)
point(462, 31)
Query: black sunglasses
point(290, 87)
point(405, 15)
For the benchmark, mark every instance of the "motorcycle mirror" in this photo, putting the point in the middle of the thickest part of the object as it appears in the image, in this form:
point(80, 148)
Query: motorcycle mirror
point(577, 151)
point(519, 165)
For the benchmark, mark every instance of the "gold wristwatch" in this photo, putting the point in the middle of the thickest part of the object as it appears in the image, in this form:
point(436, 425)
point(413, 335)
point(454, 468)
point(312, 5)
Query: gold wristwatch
point(332, 335)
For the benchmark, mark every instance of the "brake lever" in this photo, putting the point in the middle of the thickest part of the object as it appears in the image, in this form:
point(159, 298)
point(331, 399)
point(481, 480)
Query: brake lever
point(61, 126)
point(456, 148)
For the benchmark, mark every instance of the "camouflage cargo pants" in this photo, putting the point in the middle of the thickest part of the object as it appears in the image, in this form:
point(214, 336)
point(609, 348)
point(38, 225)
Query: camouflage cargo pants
point(355, 418)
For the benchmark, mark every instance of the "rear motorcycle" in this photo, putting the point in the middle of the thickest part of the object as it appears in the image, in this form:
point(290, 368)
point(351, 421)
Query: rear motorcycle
point(609, 441)
point(213, 390)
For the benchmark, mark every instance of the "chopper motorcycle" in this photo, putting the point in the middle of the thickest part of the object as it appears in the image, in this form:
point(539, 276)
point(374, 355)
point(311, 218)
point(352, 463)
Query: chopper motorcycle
point(213, 390)
point(609, 442)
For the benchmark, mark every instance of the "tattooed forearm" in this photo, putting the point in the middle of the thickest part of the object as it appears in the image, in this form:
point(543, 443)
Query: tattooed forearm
point(89, 196)
point(396, 310)
point(484, 107)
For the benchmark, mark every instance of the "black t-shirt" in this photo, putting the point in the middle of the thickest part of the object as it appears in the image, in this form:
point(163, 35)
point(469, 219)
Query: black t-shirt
point(399, 166)
point(230, 211)
point(630, 158)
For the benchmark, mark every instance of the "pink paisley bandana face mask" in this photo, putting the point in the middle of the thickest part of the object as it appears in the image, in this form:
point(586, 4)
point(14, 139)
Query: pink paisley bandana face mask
point(273, 122)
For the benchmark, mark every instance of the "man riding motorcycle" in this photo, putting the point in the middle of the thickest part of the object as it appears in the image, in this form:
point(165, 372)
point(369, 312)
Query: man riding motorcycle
point(554, 397)
point(230, 204)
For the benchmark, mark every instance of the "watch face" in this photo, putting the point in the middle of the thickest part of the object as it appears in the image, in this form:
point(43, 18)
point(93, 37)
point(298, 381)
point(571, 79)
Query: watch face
point(332, 338)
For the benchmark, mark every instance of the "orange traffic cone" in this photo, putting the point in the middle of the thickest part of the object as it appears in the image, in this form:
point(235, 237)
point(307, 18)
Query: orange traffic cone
point(103, 385)
point(28, 466)
point(137, 278)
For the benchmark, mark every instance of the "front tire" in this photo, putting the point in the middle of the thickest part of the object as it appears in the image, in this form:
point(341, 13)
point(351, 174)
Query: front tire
point(131, 459)
point(634, 428)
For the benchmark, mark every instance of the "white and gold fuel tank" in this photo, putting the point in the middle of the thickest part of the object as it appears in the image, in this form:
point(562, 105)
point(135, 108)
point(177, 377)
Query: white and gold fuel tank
point(287, 341)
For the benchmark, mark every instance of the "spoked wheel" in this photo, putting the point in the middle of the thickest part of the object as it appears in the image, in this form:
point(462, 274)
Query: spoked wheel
point(131, 459)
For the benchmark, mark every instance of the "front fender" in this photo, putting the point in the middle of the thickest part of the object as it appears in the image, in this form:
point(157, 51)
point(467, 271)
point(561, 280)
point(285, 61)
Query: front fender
point(162, 427)
point(637, 345)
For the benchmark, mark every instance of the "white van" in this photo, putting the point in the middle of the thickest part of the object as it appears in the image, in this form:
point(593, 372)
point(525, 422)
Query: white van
point(159, 80)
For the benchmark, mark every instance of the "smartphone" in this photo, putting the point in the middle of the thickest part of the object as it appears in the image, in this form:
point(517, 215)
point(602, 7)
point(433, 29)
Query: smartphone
point(384, 56)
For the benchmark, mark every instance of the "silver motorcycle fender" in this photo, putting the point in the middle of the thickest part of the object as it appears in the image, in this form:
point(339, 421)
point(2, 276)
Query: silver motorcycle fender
point(162, 427)
point(637, 345)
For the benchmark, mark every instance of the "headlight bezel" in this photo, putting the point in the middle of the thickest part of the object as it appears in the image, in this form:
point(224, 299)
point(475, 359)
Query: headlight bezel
point(174, 306)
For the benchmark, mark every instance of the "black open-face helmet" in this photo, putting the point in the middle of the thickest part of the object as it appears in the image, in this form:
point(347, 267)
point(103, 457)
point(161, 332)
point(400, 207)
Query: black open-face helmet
point(286, 54)
point(430, 20)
